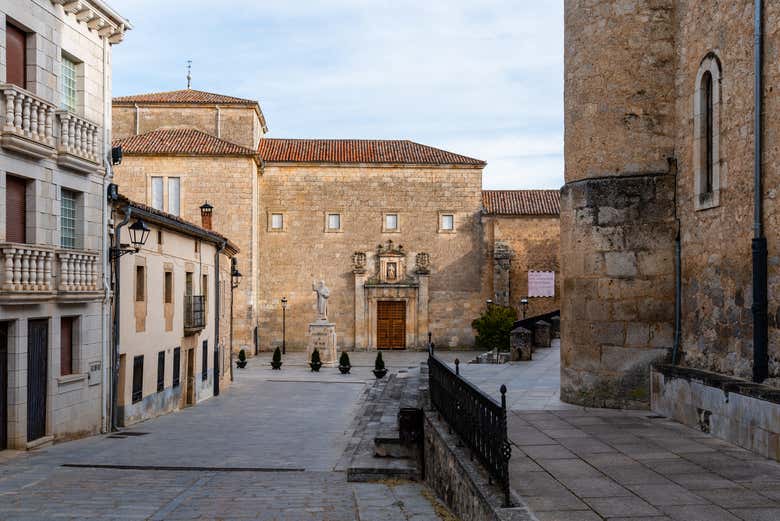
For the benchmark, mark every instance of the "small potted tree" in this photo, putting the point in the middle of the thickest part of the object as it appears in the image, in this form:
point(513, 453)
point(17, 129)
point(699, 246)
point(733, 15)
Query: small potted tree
point(344, 365)
point(241, 362)
point(276, 360)
point(316, 363)
point(379, 366)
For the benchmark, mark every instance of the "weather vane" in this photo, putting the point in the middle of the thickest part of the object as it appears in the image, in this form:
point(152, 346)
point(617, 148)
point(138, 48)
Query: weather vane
point(189, 74)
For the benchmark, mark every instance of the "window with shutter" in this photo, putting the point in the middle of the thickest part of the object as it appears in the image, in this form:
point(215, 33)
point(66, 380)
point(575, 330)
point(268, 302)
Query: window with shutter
point(15, 56)
point(15, 209)
point(66, 346)
point(176, 366)
point(138, 378)
point(160, 371)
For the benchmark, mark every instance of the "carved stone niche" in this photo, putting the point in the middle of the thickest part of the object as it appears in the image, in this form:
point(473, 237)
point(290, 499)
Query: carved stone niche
point(359, 262)
point(392, 263)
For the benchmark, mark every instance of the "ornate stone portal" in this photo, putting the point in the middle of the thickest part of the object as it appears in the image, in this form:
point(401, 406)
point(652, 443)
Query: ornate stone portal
point(322, 334)
point(391, 306)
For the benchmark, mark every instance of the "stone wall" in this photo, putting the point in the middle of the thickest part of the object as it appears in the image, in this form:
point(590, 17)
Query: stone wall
point(291, 259)
point(237, 124)
point(534, 242)
point(717, 331)
point(230, 185)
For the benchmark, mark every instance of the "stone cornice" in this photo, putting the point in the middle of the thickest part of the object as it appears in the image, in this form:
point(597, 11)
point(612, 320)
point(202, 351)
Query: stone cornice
point(98, 17)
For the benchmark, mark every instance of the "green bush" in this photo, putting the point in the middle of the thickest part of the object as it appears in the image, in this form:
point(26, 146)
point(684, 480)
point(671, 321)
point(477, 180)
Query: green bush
point(315, 357)
point(277, 355)
point(242, 356)
point(493, 327)
point(344, 359)
point(379, 363)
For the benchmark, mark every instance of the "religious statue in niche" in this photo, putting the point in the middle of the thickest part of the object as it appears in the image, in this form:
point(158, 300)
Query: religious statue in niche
point(392, 271)
point(323, 293)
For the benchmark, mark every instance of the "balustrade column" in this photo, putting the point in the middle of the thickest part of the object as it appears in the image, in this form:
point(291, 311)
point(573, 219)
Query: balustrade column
point(64, 270)
point(26, 116)
point(50, 125)
point(64, 135)
point(26, 269)
point(10, 102)
point(8, 277)
point(34, 104)
point(18, 112)
point(18, 254)
point(47, 271)
point(42, 122)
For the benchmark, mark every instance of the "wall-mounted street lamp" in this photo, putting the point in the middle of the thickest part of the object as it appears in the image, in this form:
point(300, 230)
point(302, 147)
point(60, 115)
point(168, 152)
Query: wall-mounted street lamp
point(139, 233)
point(524, 305)
point(284, 325)
point(116, 155)
point(235, 275)
point(235, 280)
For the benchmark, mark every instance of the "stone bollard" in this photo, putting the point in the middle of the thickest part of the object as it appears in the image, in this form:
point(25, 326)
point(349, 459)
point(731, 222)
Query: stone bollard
point(520, 345)
point(555, 322)
point(542, 336)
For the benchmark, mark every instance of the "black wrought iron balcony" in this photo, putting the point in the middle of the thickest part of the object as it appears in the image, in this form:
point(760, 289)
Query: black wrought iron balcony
point(194, 313)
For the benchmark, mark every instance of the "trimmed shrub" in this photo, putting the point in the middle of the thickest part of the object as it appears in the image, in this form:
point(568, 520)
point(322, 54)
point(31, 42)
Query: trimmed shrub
point(493, 328)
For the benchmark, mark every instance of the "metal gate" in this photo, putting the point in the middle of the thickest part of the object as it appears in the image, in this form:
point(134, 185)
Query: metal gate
point(37, 370)
point(3, 385)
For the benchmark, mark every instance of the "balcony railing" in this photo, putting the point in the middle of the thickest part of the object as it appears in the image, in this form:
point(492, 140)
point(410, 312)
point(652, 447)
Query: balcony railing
point(194, 313)
point(29, 270)
point(34, 126)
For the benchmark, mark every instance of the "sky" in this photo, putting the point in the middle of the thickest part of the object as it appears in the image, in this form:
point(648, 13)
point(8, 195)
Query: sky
point(483, 78)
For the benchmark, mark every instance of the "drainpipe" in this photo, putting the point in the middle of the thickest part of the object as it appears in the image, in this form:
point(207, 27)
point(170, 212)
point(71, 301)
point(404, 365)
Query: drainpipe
point(759, 246)
point(115, 340)
point(216, 318)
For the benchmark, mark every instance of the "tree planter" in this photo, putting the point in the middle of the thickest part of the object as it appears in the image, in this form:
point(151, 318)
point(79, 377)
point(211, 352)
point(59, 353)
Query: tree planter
point(276, 365)
point(344, 364)
point(379, 366)
point(315, 367)
point(345, 369)
point(276, 360)
point(316, 362)
point(380, 373)
point(240, 364)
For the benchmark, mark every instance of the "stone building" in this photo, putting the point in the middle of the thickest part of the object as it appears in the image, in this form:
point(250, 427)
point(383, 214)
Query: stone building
point(55, 85)
point(660, 162)
point(522, 233)
point(172, 307)
point(395, 228)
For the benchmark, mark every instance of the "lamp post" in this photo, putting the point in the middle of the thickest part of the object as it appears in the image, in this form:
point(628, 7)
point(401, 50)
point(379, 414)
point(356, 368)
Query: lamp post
point(139, 233)
point(235, 280)
point(284, 325)
point(524, 304)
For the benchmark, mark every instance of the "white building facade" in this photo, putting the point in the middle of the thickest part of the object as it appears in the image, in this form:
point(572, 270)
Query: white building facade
point(55, 102)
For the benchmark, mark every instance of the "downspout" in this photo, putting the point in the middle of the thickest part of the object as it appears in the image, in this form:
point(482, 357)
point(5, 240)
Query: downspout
point(677, 270)
point(104, 240)
point(759, 245)
point(216, 318)
point(115, 347)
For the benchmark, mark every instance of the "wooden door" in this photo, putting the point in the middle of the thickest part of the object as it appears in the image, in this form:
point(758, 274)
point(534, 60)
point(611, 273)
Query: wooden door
point(16, 61)
point(3, 385)
point(190, 377)
point(391, 324)
point(15, 209)
point(37, 371)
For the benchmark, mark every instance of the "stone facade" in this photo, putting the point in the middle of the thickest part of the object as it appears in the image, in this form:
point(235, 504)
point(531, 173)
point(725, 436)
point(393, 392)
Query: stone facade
point(634, 160)
point(52, 281)
point(176, 267)
point(517, 244)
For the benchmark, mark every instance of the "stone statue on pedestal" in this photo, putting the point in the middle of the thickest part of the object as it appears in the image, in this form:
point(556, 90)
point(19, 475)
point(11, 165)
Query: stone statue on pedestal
point(323, 293)
point(322, 333)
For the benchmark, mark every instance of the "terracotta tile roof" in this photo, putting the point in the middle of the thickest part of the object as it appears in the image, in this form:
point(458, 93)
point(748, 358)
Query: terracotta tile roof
point(181, 140)
point(358, 151)
point(521, 202)
point(184, 96)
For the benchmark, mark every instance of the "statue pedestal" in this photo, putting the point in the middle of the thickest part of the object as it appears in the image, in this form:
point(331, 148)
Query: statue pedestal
point(322, 336)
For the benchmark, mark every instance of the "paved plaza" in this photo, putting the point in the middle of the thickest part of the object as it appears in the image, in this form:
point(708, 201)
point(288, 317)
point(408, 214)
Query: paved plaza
point(264, 449)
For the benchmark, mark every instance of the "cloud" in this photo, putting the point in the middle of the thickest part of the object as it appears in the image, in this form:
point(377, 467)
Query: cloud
point(479, 78)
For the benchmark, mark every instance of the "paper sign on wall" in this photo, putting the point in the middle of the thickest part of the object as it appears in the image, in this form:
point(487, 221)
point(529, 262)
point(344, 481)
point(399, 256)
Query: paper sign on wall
point(541, 283)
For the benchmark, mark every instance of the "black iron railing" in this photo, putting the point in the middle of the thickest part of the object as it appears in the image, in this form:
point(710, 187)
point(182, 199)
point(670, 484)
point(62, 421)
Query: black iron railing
point(478, 419)
point(194, 312)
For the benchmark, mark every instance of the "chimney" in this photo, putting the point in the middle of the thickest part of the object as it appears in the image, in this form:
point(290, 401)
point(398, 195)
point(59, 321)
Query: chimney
point(205, 215)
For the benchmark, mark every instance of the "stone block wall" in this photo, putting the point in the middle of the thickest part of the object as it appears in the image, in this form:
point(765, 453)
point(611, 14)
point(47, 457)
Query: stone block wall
point(291, 259)
point(534, 242)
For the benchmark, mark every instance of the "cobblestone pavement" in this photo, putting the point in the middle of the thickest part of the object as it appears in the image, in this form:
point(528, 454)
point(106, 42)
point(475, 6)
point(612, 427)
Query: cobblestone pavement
point(265, 449)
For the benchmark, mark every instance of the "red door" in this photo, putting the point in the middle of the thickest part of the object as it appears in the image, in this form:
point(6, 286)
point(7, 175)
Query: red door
point(16, 62)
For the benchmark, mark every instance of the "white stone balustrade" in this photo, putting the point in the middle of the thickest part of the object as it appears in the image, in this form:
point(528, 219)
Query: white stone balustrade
point(28, 268)
point(27, 115)
point(78, 136)
point(78, 271)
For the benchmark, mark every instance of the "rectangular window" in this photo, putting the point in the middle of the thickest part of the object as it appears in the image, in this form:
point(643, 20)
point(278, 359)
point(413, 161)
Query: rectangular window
point(157, 193)
point(68, 218)
point(391, 221)
point(197, 246)
point(447, 222)
point(176, 366)
point(140, 283)
point(277, 221)
point(138, 378)
point(334, 221)
point(168, 287)
point(174, 185)
point(66, 346)
point(159, 238)
point(15, 209)
point(15, 56)
point(69, 90)
point(204, 290)
point(160, 371)
point(188, 284)
point(205, 361)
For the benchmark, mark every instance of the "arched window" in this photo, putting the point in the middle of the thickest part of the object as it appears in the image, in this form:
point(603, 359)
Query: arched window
point(706, 133)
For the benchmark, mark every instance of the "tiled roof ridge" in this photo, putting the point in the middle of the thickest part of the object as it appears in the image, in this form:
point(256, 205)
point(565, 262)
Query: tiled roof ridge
point(184, 96)
point(522, 202)
point(180, 140)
